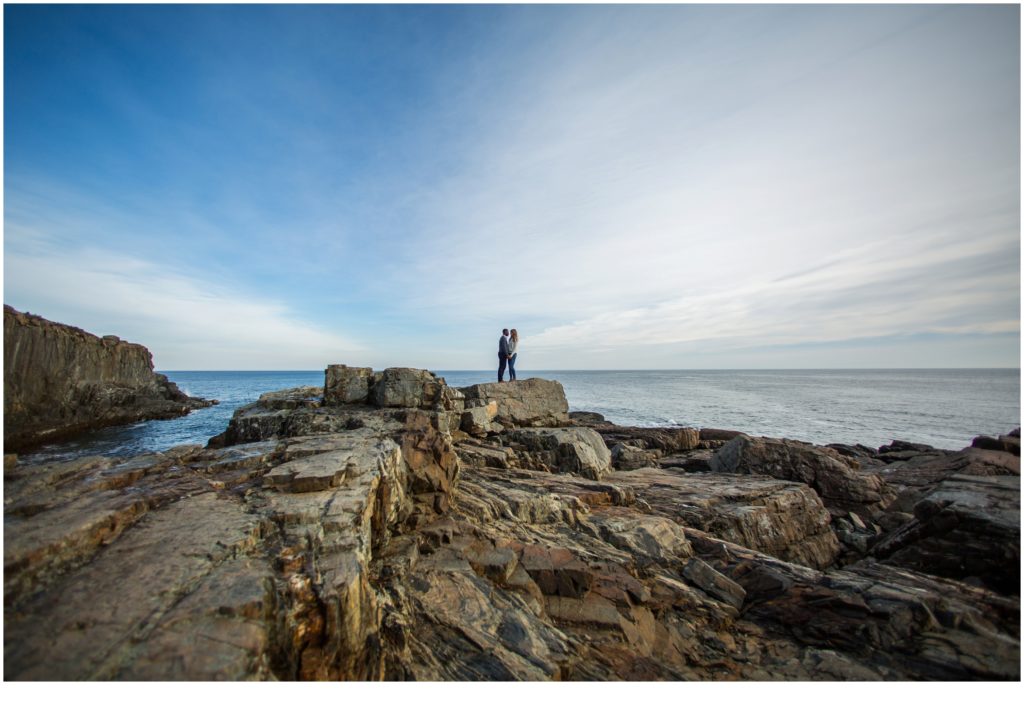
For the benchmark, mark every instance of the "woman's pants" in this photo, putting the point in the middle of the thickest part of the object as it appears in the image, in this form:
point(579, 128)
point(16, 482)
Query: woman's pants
point(512, 366)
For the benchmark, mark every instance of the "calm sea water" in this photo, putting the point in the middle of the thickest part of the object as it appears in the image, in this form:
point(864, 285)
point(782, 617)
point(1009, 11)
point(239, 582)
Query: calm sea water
point(943, 408)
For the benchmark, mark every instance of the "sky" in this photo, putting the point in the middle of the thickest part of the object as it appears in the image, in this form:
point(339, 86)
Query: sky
point(745, 186)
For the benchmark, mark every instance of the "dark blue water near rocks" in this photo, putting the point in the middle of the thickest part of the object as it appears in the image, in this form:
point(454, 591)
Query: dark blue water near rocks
point(943, 408)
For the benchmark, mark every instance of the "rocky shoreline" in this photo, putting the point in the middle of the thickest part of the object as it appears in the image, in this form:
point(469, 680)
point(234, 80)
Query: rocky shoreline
point(388, 526)
point(60, 381)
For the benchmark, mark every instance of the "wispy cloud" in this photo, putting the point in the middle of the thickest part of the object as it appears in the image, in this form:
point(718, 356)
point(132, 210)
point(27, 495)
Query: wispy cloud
point(627, 185)
point(738, 194)
point(187, 322)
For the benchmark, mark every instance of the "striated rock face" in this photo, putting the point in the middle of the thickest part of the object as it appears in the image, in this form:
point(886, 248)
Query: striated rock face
point(350, 541)
point(665, 440)
point(781, 519)
point(60, 381)
point(573, 449)
point(843, 487)
point(967, 527)
point(869, 619)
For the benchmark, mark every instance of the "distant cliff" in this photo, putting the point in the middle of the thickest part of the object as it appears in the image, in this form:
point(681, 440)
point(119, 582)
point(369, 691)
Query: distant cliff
point(60, 380)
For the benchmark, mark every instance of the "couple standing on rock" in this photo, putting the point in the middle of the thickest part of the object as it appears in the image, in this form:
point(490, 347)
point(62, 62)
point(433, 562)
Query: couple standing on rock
point(507, 352)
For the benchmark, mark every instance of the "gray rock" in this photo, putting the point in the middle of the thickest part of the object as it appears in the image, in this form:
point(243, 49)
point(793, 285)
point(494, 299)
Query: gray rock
point(407, 387)
point(294, 398)
point(967, 527)
point(345, 385)
point(699, 573)
point(783, 519)
point(627, 457)
point(573, 449)
point(477, 420)
point(840, 482)
point(532, 402)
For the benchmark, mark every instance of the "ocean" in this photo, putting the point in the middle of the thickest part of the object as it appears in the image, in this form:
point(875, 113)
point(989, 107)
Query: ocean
point(943, 408)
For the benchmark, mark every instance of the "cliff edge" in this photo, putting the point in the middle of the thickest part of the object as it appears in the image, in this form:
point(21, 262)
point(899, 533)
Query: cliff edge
point(60, 380)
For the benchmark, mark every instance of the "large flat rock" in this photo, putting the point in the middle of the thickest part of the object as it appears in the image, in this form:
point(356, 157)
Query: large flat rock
point(90, 624)
point(532, 402)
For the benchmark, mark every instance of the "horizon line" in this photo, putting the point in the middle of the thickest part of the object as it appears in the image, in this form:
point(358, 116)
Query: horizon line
point(1000, 367)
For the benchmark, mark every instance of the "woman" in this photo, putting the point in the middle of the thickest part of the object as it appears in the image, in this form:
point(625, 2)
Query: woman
point(513, 346)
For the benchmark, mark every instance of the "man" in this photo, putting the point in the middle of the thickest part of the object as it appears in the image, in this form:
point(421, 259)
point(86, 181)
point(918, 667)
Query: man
point(502, 354)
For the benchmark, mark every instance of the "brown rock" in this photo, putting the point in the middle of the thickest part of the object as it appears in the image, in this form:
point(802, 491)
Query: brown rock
point(476, 421)
point(294, 398)
point(60, 381)
point(405, 562)
point(666, 440)
point(628, 457)
point(924, 627)
point(783, 519)
point(837, 479)
point(557, 571)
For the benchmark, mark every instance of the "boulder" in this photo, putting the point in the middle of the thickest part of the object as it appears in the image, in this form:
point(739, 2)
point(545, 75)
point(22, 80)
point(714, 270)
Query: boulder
point(1009, 444)
point(905, 447)
point(628, 457)
point(477, 420)
point(837, 479)
point(345, 385)
point(916, 476)
point(716, 437)
point(966, 528)
point(782, 519)
point(573, 449)
point(523, 403)
point(406, 387)
point(587, 418)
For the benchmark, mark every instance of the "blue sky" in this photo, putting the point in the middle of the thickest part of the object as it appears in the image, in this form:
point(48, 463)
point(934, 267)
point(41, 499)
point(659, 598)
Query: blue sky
point(283, 187)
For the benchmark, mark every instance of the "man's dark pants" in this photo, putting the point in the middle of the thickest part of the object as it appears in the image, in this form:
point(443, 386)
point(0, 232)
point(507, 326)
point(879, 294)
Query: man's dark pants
point(502, 361)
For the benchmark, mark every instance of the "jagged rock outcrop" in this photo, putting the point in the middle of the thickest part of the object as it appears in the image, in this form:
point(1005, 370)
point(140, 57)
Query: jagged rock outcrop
point(572, 449)
point(967, 528)
point(781, 519)
point(840, 482)
point(60, 380)
point(323, 540)
point(871, 621)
